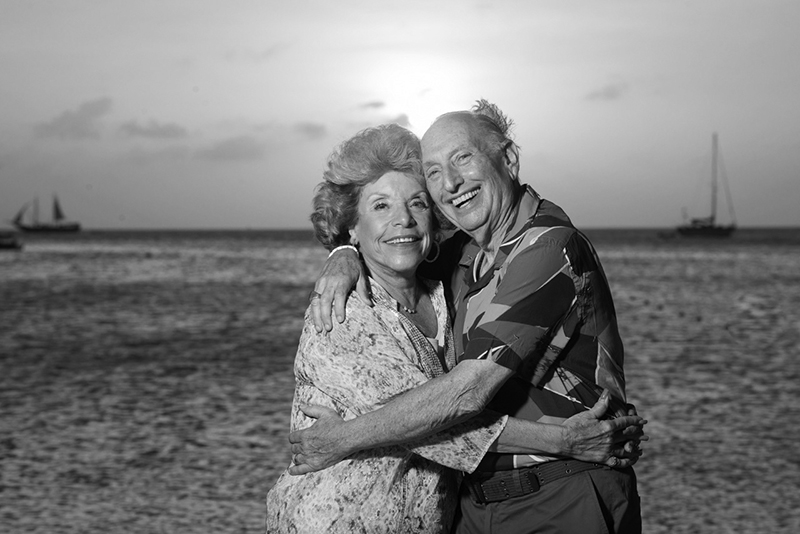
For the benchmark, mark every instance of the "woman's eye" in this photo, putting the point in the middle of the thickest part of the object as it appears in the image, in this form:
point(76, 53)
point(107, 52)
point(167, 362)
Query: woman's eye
point(419, 204)
point(380, 206)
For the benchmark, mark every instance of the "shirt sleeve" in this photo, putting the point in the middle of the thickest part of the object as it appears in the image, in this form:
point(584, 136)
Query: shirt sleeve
point(533, 292)
point(360, 366)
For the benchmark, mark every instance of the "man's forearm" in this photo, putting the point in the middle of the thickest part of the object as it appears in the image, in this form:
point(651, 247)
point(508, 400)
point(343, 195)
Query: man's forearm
point(530, 437)
point(433, 406)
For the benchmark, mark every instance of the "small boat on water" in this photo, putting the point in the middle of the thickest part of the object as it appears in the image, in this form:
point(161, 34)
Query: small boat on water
point(10, 241)
point(707, 226)
point(59, 223)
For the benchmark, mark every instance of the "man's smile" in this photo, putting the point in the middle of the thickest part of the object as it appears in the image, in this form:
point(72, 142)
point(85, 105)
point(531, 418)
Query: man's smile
point(466, 197)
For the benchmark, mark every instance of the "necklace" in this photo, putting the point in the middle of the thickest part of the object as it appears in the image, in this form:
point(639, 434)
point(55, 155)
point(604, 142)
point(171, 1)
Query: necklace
point(407, 310)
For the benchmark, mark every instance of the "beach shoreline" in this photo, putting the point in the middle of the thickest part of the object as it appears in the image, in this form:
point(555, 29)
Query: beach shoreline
point(147, 381)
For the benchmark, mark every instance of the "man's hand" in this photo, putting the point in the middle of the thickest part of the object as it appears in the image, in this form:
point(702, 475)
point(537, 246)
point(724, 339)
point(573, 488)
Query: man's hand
point(340, 274)
point(612, 442)
point(319, 446)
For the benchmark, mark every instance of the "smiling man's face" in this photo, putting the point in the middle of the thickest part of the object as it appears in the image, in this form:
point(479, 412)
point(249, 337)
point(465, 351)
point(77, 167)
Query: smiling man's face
point(468, 174)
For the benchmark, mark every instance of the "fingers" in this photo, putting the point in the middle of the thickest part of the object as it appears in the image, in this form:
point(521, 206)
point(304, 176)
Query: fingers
point(301, 469)
point(631, 447)
point(316, 312)
point(627, 421)
point(362, 290)
point(601, 406)
point(339, 300)
point(316, 411)
point(325, 303)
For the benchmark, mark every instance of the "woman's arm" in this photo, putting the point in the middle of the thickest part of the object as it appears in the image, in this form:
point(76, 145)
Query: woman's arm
point(436, 405)
point(361, 366)
point(585, 436)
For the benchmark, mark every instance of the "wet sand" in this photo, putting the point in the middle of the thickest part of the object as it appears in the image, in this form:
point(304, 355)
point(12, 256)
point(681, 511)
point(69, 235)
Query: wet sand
point(145, 386)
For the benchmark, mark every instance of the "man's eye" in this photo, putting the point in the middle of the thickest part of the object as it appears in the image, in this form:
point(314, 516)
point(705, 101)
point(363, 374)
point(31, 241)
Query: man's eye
point(463, 158)
point(432, 174)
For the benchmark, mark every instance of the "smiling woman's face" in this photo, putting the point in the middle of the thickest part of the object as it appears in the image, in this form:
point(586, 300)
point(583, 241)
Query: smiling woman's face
point(395, 225)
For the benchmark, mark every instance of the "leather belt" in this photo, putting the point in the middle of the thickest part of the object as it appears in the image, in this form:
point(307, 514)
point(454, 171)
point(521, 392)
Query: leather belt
point(502, 485)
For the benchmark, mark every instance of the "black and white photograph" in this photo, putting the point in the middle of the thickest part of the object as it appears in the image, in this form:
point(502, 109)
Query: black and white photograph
point(421, 267)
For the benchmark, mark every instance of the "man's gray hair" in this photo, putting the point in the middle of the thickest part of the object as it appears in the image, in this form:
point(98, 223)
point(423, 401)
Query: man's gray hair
point(498, 120)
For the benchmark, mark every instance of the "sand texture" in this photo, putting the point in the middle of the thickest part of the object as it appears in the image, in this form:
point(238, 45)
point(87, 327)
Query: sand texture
point(145, 381)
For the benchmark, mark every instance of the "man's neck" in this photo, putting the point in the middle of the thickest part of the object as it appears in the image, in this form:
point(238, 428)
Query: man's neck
point(490, 239)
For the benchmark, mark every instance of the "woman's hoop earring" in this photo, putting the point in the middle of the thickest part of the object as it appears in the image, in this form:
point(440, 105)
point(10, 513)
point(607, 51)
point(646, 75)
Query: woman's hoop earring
point(437, 253)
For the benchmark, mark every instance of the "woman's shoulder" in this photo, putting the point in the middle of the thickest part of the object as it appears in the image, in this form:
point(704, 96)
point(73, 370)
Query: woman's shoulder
point(358, 318)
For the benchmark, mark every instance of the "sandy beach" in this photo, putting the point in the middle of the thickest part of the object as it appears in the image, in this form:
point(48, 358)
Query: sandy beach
point(146, 380)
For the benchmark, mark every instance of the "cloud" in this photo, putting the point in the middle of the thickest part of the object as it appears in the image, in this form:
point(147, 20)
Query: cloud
point(154, 130)
point(375, 104)
point(78, 124)
point(311, 130)
point(401, 119)
point(612, 91)
point(242, 147)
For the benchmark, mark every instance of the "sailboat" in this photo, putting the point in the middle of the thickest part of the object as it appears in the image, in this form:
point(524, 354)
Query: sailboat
point(58, 224)
point(707, 226)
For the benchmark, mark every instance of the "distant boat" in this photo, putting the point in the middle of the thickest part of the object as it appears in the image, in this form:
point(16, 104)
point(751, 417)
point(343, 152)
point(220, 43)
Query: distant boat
point(707, 226)
point(58, 224)
point(10, 241)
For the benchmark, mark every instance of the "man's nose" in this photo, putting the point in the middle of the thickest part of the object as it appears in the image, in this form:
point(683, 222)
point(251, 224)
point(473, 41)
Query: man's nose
point(452, 180)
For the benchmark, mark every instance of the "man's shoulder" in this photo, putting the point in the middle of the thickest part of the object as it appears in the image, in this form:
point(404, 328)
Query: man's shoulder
point(550, 214)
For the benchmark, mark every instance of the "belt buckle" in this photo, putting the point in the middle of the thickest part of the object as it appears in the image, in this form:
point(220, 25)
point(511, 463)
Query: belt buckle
point(533, 480)
point(476, 489)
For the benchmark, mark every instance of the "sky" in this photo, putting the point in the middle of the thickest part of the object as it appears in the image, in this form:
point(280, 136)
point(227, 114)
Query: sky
point(209, 114)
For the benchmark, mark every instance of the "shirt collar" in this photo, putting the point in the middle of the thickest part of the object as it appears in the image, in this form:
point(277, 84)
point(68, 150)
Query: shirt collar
point(525, 210)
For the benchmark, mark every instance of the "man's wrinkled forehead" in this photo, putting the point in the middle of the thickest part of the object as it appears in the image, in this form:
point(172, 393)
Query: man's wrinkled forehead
point(450, 131)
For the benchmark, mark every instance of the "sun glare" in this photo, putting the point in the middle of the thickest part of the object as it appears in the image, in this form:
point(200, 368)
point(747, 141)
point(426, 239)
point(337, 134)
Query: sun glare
point(418, 86)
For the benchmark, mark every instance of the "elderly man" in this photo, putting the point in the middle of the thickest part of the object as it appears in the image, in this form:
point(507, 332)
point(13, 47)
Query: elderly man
point(536, 336)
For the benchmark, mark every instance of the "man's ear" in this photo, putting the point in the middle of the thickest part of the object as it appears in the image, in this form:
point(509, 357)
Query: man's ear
point(511, 159)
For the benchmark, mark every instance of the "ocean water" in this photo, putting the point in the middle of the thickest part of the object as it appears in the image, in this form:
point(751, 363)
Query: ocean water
point(145, 377)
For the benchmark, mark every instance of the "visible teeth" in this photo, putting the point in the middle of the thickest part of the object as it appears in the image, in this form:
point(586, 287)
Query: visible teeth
point(465, 197)
point(403, 240)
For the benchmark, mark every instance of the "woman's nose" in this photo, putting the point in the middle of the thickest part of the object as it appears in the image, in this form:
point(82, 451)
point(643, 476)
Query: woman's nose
point(404, 217)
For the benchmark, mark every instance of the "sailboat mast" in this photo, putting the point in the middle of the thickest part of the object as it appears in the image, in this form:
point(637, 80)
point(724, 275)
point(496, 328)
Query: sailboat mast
point(714, 154)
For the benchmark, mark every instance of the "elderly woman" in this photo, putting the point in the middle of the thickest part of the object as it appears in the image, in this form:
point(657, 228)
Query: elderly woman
point(373, 197)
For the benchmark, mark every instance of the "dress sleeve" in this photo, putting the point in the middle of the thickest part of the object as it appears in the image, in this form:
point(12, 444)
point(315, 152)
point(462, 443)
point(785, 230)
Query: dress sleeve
point(534, 293)
point(462, 446)
point(360, 365)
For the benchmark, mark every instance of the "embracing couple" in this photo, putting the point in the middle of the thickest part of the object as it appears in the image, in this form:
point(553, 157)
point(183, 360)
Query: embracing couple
point(475, 381)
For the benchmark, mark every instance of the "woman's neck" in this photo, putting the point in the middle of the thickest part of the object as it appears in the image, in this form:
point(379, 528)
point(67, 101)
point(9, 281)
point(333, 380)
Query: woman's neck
point(404, 288)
